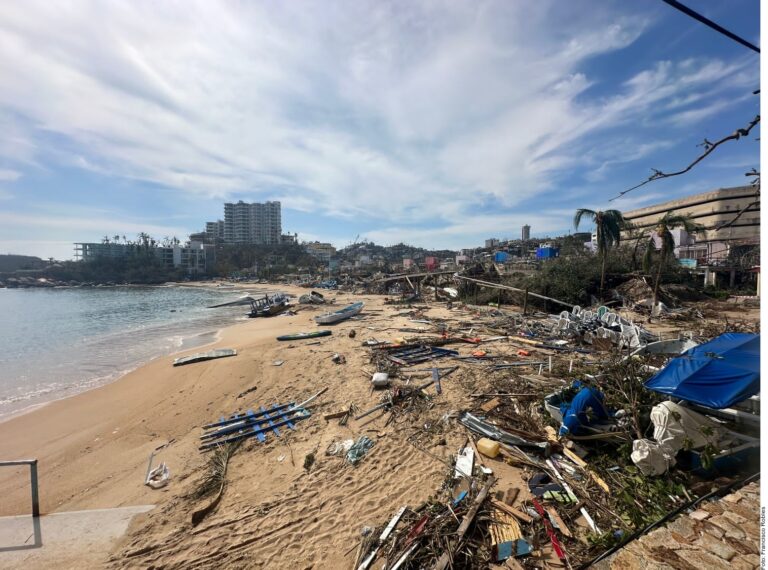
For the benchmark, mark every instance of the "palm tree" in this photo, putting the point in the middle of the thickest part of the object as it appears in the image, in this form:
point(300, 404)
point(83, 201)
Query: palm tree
point(663, 232)
point(608, 225)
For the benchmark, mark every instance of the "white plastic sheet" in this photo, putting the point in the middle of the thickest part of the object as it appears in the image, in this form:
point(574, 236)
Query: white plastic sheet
point(675, 427)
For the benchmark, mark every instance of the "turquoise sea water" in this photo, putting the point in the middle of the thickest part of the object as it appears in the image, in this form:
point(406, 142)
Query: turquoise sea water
point(58, 342)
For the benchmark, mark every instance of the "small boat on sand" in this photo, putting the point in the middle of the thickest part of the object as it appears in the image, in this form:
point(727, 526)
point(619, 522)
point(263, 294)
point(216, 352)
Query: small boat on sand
point(267, 306)
point(304, 335)
point(201, 356)
point(340, 315)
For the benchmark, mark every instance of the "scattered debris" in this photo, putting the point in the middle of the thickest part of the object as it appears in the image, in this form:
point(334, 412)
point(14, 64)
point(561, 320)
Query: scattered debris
point(359, 449)
point(251, 424)
point(338, 358)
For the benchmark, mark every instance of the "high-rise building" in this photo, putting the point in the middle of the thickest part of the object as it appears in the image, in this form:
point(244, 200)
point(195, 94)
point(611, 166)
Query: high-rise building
point(214, 231)
point(254, 223)
point(526, 232)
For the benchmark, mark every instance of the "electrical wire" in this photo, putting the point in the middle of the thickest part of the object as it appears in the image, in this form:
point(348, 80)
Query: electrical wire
point(717, 492)
point(707, 22)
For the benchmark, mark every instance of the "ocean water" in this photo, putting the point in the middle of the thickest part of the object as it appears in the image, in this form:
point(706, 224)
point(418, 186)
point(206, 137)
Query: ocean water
point(58, 342)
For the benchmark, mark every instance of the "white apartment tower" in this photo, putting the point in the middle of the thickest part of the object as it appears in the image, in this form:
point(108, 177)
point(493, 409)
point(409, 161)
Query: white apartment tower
point(254, 223)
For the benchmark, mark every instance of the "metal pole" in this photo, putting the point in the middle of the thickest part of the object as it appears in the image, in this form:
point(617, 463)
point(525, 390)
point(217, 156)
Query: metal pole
point(33, 484)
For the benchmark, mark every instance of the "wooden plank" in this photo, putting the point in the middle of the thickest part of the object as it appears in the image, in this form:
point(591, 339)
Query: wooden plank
point(334, 415)
point(575, 458)
point(512, 511)
point(585, 466)
point(490, 405)
point(559, 522)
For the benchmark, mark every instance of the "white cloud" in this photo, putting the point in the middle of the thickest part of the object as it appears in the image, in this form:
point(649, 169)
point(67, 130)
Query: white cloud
point(398, 112)
point(8, 175)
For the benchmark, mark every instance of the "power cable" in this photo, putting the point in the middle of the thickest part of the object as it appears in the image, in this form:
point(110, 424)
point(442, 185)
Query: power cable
point(707, 22)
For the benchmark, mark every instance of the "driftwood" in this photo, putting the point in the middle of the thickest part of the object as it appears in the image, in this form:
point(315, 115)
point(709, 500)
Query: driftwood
point(447, 556)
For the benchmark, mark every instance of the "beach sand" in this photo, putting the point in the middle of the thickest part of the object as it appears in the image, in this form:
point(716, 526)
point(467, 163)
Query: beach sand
point(93, 448)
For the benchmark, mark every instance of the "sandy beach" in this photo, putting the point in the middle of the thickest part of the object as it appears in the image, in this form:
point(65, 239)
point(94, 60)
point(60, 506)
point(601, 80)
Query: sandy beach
point(93, 448)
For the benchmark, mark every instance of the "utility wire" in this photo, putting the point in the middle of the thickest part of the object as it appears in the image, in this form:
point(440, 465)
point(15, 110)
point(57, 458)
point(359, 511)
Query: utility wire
point(707, 22)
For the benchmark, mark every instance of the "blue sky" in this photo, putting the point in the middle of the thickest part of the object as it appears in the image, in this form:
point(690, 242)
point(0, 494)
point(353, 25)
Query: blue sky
point(438, 124)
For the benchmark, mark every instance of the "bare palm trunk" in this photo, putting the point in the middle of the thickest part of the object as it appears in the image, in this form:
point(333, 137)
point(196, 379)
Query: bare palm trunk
point(656, 284)
point(602, 277)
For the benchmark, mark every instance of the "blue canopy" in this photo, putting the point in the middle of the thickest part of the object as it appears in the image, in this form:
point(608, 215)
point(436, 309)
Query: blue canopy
point(716, 374)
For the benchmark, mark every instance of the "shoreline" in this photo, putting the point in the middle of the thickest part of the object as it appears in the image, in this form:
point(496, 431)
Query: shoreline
point(83, 386)
point(62, 433)
point(99, 382)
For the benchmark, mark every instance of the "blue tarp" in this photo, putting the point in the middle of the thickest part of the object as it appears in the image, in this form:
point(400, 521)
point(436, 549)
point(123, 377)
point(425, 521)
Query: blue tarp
point(716, 374)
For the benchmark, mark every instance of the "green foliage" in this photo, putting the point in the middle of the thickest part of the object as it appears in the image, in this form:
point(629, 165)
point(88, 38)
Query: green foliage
point(573, 279)
point(608, 226)
point(140, 267)
point(269, 260)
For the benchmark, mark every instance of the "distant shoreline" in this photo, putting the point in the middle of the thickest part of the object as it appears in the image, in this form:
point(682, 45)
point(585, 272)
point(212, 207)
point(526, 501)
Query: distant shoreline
point(198, 337)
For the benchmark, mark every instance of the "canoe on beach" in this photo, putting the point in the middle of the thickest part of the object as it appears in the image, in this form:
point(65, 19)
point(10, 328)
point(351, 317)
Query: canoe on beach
point(303, 335)
point(201, 356)
point(340, 315)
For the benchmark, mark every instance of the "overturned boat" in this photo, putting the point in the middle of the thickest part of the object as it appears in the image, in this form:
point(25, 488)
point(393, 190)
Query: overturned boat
point(313, 298)
point(340, 315)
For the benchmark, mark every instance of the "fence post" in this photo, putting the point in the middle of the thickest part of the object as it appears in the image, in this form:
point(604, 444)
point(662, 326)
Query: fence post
point(33, 484)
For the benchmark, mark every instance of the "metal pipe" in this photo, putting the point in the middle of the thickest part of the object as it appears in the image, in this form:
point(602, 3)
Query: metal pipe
point(33, 484)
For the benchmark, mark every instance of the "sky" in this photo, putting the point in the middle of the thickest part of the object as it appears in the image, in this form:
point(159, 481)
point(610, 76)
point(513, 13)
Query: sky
point(438, 124)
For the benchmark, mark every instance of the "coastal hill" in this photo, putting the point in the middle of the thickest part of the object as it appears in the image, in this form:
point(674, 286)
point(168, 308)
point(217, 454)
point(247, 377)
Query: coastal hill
point(11, 262)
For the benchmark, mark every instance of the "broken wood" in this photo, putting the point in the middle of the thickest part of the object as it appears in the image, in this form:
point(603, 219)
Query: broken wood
point(447, 556)
point(511, 496)
point(512, 511)
point(490, 405)
point(505, 532)
point(505, 394)
point(335, 415)
point(558, 522)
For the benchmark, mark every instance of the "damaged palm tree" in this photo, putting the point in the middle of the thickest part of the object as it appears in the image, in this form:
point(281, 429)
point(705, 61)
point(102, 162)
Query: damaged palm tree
point(214, 480)
point(608, 226)
point(663, 233)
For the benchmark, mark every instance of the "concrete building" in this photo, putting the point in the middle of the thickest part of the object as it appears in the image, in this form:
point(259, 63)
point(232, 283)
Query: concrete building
point(288, 238)
point(712, 210)
point(195, 258)
point(526, 235)
point(492, 242)
point(322, 251)
point(252, 223)
point(214, 231)
point(90, 251)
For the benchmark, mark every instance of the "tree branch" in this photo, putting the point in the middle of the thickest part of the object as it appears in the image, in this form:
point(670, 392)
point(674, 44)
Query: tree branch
point(709, 147)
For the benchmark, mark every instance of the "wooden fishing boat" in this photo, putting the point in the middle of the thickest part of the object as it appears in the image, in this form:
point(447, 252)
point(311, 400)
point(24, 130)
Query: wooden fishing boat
point(340, 315)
